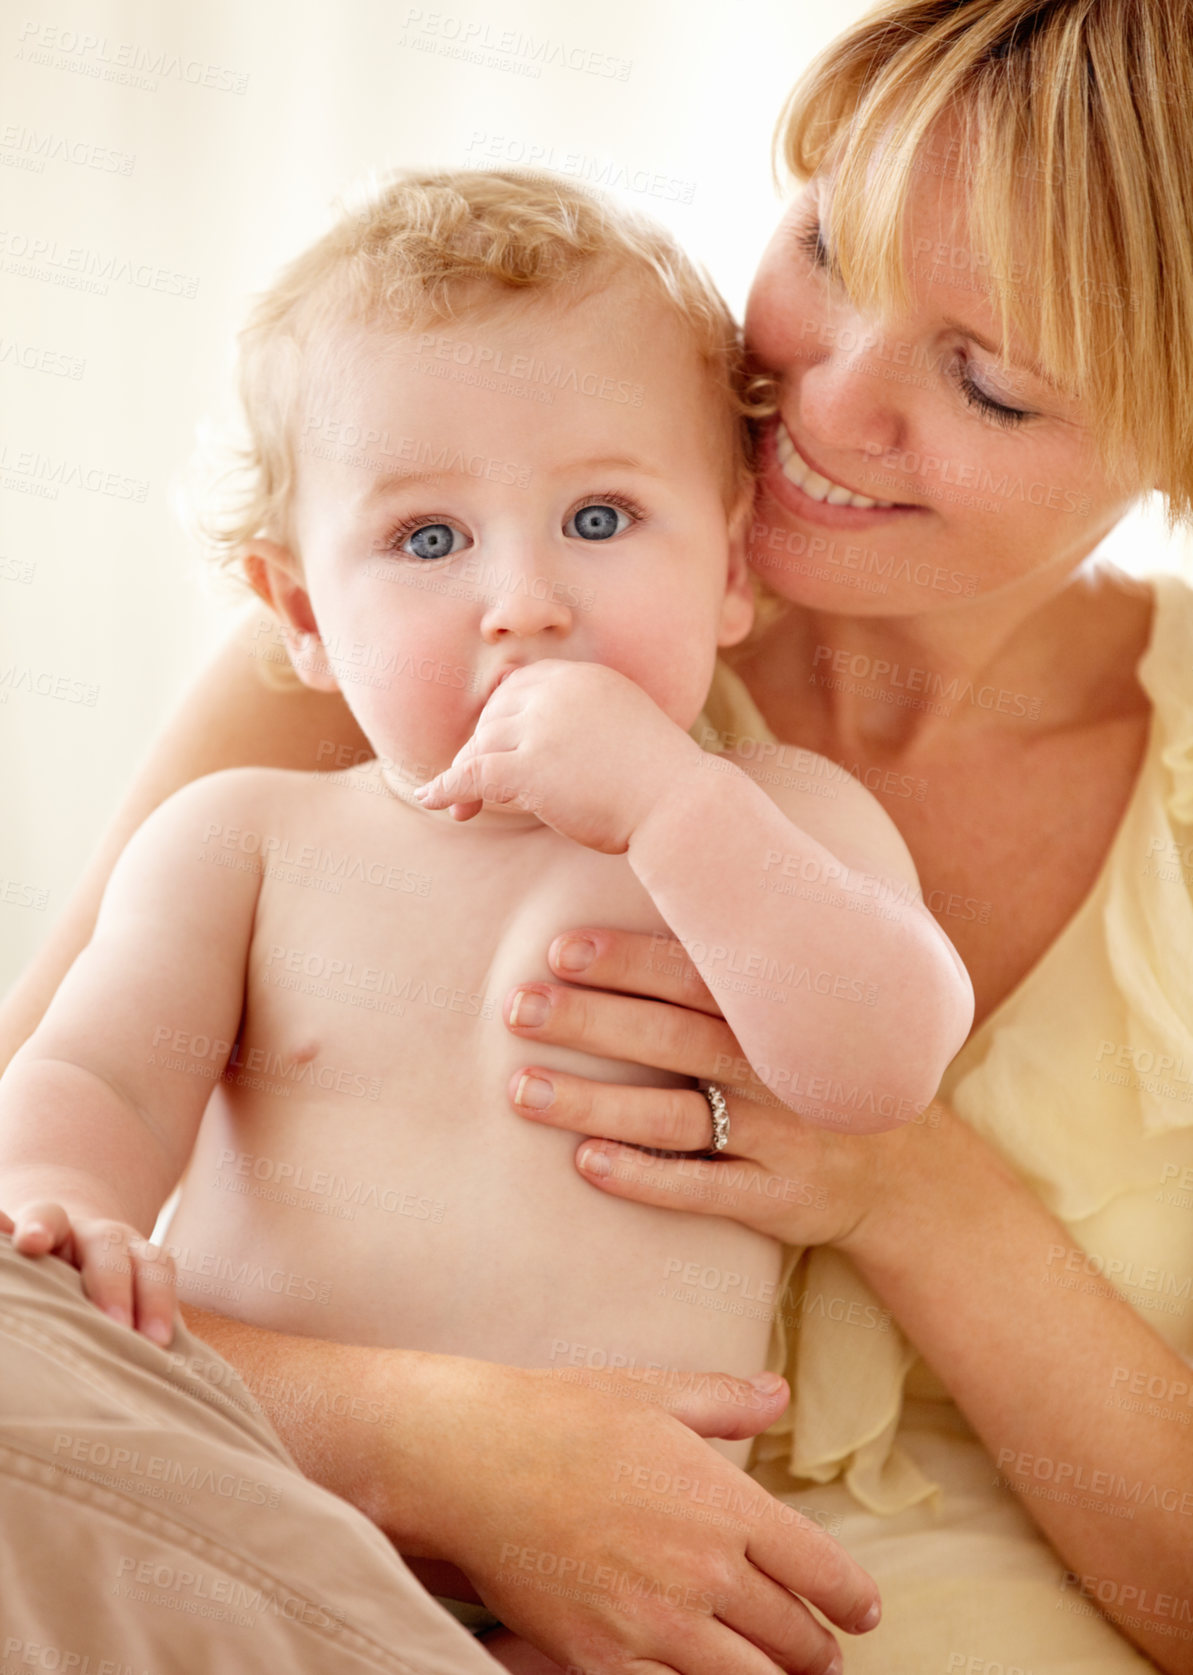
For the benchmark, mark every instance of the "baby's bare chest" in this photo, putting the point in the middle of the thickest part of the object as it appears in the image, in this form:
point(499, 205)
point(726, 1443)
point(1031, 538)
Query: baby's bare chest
point(360, 1170)
point(382, 952)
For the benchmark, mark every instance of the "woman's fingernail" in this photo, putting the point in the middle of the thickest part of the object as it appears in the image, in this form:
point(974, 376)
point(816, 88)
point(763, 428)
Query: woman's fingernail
point(767, 1384)
point(594, 1162)
point(872, 1618)
point(535, 1092)
point(119, 1315)
point(575, 953)
point(529, 1009)
point(159, 1332)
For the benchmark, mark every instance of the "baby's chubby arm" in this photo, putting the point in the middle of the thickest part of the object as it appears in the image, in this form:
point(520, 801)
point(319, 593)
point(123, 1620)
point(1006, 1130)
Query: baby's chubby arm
point(798, 903)
point(97, 1117)
point(800, 906)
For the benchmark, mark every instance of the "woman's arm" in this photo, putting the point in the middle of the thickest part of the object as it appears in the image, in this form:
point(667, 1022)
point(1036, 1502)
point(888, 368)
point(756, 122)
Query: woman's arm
point(399, 1407)
point(952, 1241)
point(518, 1475)
point(228, 719)
point(1033, 1357)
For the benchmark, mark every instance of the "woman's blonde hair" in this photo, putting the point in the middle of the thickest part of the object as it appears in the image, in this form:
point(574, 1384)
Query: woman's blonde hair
point(419, 248)
point(1074, 136)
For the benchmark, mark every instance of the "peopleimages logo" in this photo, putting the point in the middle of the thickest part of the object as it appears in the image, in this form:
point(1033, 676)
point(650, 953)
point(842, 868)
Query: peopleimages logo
point(372, 449)
point(898, 679)
point(509, 151)
point(487, 43)
point(126, 62)
point(30, 148)
point(49, 474)
point(79, 268)
point(900, 464)
point(865, 568)
point(482, 358)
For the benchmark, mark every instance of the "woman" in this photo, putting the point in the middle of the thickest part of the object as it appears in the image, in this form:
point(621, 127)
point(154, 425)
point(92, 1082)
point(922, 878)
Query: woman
point(1005, 171)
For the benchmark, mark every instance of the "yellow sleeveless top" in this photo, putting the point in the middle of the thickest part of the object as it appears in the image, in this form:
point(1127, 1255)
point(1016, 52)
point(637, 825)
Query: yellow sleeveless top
point(1082, 1079)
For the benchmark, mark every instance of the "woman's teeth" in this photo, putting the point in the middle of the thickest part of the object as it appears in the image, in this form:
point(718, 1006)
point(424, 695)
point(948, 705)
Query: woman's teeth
point(816, 487)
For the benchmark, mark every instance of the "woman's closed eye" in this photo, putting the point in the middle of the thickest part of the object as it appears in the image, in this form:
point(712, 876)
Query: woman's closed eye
point(1001, 413)
point(998, 412)
point(811, 240)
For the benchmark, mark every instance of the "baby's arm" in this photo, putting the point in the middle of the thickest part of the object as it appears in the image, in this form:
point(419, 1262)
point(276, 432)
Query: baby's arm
point(848, 1016)
point(97, 1118)
point(228, 719)
point(800, 906)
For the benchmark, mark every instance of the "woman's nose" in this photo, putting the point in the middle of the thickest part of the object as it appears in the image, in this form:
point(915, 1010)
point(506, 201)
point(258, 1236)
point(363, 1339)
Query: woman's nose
point(845, 400)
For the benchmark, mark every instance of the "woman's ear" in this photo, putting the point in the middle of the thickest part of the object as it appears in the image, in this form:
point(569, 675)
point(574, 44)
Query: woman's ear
point(737, 607)
point(274, 574)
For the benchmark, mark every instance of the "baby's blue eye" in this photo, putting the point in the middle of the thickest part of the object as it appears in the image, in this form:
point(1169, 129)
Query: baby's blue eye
point(596, 523)
point(433, 540)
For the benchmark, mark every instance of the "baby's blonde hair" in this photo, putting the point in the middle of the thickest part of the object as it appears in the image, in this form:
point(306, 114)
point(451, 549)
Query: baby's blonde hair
point(424, 247)
point(1076, 142)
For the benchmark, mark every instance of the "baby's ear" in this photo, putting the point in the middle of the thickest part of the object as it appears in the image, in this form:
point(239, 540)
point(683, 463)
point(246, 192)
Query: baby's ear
point(274, 574)
point(737, 607)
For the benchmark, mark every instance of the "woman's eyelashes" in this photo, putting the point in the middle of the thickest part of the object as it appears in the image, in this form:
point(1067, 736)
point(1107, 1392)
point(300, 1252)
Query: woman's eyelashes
point(811, 241)
point(427, 539)
point(998, 412)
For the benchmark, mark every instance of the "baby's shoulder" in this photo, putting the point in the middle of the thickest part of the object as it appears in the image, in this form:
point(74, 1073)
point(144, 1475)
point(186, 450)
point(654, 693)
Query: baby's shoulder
point(826, 801)
point(250, 788)
point(233, 804)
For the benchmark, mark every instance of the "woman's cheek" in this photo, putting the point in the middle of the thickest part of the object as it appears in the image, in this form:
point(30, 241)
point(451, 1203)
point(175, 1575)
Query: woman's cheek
point(784, 318)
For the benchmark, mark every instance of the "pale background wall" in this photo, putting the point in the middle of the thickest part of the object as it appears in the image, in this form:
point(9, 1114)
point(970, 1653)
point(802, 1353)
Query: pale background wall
point(158, 162)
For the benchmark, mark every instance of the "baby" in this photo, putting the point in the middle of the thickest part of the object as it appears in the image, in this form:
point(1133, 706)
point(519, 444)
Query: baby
point(499, 484)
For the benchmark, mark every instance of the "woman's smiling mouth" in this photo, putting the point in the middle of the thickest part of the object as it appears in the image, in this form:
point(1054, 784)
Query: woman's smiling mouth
point(796, 484)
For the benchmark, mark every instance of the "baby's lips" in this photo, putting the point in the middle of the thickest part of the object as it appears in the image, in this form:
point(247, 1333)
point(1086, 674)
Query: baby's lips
point(510, 669)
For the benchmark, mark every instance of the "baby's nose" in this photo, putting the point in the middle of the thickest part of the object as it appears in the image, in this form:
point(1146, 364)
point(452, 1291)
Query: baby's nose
point(522, 603)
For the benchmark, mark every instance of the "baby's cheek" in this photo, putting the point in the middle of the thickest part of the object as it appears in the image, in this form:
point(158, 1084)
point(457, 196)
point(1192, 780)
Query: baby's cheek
point(421, 723)
point(679, 679)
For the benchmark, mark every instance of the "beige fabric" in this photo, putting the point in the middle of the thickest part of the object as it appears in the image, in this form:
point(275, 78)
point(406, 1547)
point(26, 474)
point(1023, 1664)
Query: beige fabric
point(152, 1519)
point(968, 1586)
point(1083, 1080)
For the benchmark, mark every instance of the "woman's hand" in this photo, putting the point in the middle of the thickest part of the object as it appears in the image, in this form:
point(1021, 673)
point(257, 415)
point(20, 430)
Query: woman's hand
point(581, 1506)
point(793, 1181)
point(595, 1522)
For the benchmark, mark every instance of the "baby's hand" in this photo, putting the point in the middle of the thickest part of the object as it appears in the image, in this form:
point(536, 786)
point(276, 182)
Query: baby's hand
point(123, 1273)
point(578, 744)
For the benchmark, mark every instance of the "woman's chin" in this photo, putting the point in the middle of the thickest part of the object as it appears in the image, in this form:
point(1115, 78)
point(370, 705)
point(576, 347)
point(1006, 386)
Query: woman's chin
point(847, 573)
point(804, 577)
